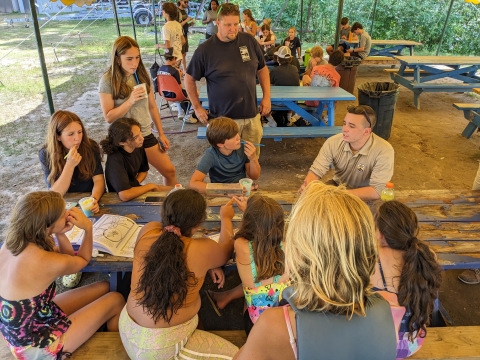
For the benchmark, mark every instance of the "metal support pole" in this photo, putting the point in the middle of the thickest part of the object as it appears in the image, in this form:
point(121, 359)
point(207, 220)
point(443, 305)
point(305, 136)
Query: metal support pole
point(339, 19)
point(116, 16)
point(55, 53)
point(444, 27)
point(48, 91)
point(373, 17)
point(155, 21)
point(81, 42)
point(133, 21)
point(301, 20)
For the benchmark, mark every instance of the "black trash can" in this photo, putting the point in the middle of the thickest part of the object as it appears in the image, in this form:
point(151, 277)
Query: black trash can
point(348, 74)
point(381, 97)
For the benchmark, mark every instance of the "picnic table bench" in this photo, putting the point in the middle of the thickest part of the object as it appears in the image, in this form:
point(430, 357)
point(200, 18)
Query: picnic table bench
point(463, 68)
point(279, 133)
point(452, 343)
point(286, 98)
point(471, 112)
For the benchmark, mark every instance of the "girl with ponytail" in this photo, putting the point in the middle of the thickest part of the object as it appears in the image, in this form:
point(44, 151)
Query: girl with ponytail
point(407, 273)
point(169, 267)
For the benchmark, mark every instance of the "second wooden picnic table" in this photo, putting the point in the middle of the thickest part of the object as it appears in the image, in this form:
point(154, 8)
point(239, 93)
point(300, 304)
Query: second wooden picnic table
point(288, 96)
point(392, 48)
point(425, 69)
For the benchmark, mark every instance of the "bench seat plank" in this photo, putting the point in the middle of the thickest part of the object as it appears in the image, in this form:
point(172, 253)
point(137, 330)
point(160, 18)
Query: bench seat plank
point(466, 106)
point(452, 343)
point(277, 133)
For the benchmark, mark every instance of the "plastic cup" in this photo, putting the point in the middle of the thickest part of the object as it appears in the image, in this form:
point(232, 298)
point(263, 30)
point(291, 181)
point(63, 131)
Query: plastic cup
point(142, 86)
point(86, 204)
point(247, 184)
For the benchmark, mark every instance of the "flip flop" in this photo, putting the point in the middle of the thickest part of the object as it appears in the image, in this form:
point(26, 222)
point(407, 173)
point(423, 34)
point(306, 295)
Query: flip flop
point(212, 301)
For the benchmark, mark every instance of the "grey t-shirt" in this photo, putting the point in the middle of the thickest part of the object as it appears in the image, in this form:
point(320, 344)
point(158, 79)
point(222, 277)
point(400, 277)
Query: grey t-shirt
point(222, 168)
point(364, 41)
point(345, 32)
point(139, 111)
point(211, 26)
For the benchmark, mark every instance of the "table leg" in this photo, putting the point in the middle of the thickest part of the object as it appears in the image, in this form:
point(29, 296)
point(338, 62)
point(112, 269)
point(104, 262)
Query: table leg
point(114, 280)
point(416, 99)
point(331, 113)
point(411, 50)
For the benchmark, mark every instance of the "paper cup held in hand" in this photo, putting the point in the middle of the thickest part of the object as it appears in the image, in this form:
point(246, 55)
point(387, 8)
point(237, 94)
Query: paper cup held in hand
point(86, 204)
point(142, 86)
point(247, 184)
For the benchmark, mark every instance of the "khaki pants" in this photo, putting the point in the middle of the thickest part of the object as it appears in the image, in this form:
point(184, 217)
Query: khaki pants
point(251, 130)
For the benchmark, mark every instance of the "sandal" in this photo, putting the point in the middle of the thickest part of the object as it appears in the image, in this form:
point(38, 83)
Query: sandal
point(211, 298)
point(72, 280)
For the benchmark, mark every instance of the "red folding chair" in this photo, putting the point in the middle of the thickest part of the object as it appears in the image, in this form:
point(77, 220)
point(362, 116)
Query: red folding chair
point(168, 84)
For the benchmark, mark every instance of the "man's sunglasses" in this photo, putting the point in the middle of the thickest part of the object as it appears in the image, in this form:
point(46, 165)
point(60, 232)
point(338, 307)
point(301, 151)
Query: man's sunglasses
point(359, 110)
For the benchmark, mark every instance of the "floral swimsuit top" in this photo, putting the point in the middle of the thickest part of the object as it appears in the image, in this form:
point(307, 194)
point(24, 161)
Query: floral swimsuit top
point(405, 348)
point(262, 297)
point(36, 322)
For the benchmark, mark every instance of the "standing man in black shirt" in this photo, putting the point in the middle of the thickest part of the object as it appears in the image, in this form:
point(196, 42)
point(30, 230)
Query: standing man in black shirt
point(184, 20)
point(230, 62)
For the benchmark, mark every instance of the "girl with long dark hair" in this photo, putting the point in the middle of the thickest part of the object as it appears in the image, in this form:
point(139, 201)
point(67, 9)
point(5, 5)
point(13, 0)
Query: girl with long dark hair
point(119, 98)
point(169, 267)
point(127, 165)
point(407, 273)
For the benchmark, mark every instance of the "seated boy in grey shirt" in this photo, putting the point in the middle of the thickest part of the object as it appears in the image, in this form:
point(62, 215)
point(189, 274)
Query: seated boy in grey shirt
point(227, 160)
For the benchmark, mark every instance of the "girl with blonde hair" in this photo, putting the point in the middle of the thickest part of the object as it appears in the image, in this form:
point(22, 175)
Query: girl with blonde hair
point(330, 251)
point(119, 99)
point(35, 322)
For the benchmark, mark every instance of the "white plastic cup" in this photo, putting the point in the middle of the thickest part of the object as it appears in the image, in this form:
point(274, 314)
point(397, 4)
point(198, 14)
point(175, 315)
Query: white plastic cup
point(142, 86)
point(247, 184)
point(86, 204)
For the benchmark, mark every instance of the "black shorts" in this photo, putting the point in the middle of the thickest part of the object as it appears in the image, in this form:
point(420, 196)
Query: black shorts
point(185, 46)
point(149, 141)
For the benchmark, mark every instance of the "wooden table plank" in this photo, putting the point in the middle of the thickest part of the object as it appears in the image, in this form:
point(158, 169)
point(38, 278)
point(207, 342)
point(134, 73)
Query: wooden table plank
point(439, 60)
point(296, 93)
point(396, 42)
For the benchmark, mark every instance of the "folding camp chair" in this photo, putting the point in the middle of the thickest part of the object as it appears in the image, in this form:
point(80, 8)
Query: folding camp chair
point(168, 85)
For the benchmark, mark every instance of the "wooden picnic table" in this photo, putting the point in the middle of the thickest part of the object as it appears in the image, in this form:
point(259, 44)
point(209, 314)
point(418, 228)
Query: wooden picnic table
point(392, 48)
point(289, 95)
point(426, 69)
point(449, 222)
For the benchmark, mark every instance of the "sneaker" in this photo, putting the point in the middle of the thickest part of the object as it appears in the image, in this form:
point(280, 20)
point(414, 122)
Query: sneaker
point(325, 119)
point(173, 106)
point(266, 124)
point(271, 122)
point(72, 280)
point(190, 119)
point(471, 276)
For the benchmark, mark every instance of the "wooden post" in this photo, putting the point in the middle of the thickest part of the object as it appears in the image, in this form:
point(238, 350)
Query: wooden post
point(41, 55)
point(373, 17)
point(444, 27)
point(116, 17)
point(133, 21)
point(339, 19)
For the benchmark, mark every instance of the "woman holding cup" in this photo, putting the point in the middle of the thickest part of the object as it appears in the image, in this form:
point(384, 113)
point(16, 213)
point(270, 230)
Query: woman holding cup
point(209, 19)
point(125, 90)
point(71, 162)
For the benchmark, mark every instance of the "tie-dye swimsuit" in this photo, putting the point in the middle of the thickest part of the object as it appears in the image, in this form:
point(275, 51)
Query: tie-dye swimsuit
point(262, 297)
point(34, 328)
point(405, 347)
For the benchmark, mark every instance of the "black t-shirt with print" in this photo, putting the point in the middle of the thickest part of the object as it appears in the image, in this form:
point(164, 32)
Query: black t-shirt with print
point(230, 69)
point(294, 44)
point(122, 168)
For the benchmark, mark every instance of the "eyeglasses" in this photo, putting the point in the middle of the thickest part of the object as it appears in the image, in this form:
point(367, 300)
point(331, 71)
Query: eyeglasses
point(359, 110)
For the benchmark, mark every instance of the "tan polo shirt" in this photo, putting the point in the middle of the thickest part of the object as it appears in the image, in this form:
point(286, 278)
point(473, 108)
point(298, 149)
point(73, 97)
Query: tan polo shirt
point(371, 166)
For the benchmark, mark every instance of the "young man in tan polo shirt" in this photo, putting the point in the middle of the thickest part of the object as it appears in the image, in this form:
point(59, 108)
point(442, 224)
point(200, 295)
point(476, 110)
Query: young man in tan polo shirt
point(363, 161)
